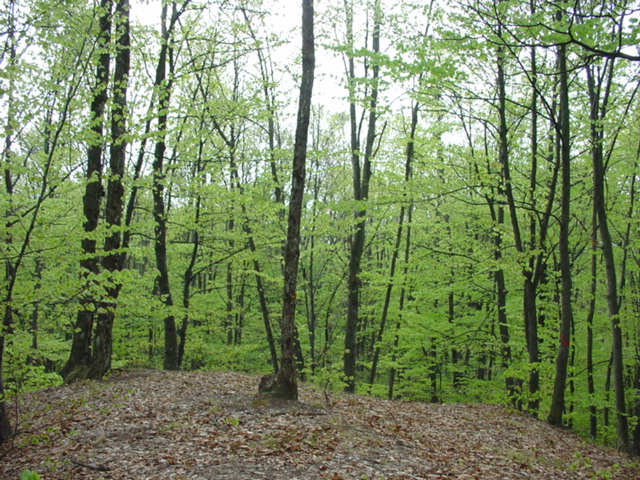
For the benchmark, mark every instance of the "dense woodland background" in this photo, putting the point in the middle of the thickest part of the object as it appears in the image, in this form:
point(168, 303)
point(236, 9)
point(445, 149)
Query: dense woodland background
point(469, 230)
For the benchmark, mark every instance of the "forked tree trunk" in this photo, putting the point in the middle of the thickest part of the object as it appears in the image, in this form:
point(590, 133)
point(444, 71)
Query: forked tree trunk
point(80, 356)
point(113, 260)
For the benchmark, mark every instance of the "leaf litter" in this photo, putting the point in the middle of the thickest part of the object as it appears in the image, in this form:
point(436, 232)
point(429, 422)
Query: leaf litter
point(149, 424)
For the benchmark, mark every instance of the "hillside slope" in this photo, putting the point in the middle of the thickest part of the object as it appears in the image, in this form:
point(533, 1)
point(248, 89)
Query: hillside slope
point(145, 424)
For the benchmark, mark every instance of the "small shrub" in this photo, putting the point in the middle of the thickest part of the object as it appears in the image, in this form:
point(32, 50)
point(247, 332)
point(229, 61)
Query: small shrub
point(29, 475)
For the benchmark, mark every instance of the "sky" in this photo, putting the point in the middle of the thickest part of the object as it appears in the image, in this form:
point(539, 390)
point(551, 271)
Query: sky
point(286, 18)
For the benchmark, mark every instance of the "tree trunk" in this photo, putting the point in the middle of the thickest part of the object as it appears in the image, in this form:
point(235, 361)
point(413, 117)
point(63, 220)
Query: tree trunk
point(113, 260)
point(409, 154)
point(361, 177)
point(563, 129)
point(401, 301)
point(286, 380)
point(188, 277)
point(80, 356)
point(6, 430)
point(262, 297)
point(599, 200)
point(312, 316)
point(593, 418)
point(163, 84)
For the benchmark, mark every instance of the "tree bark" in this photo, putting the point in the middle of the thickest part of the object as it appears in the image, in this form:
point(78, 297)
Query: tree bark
point(593, 411)
point(164, 84)
point(597, 113)
point(286, 380)
point(80, 356)
point(6, 430)
point(361, 178)
point(563, 129)
point(188, 276)
point(504, 189)
point(113, 260)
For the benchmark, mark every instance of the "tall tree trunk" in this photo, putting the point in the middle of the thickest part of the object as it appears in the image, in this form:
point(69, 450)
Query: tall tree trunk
point(597, 113)
point(262, 297)
point(310, 300)
point(6, 430)
point(563, 130)
point(504, 189)
point(409, 154)
point(80, 356)
point(188, 277)
point(361, 177)
point(503, 325)
point(530, 281)
point(113, 260)
point(286, 380)
point(231, 142)
point(593, 411)
point(635, 302)
point(163, 287)
point(401, 302)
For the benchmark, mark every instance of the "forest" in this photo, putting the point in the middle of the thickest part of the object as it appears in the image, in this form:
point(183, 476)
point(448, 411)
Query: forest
point(465, 190)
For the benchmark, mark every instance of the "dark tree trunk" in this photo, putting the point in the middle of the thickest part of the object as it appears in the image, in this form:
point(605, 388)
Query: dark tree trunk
point(6, 430)
point(597, 113)
point(401, 301)
point(286, 380)
point(188, 277)
point(312, 316)
point(80, 356)
point(530, 283)
point(593, 411)
point(163, 286)
point(361, 177)
point(635, 302)
point(113, 260)
point(234, 182)
point(262, 297)
point(506, 189)
point(557, 402)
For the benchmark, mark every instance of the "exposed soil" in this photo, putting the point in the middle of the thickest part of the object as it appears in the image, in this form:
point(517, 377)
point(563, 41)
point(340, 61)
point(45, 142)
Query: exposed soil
point(145, 424)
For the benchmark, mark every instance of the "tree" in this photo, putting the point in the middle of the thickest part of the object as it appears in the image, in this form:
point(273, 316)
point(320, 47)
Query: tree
point(286, 381)
point(361, 177)
point(566, 314)
point(31, 163)
point(599, 92)
point(163, 83)
point(113, 261)
point(79, 363)
point(91, 352)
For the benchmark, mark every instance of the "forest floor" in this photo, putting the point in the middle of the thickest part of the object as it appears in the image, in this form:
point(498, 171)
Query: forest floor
point(146, 424)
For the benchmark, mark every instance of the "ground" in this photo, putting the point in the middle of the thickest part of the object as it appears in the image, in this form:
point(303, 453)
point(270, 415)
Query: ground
point(146, 424)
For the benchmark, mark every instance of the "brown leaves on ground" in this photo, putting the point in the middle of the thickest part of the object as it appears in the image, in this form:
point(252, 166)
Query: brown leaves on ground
point(147, 424)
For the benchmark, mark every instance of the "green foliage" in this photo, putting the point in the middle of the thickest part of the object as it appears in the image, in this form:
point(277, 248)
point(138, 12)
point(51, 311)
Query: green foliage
point(226, 192)
point(29, 475)
point(39, 369)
